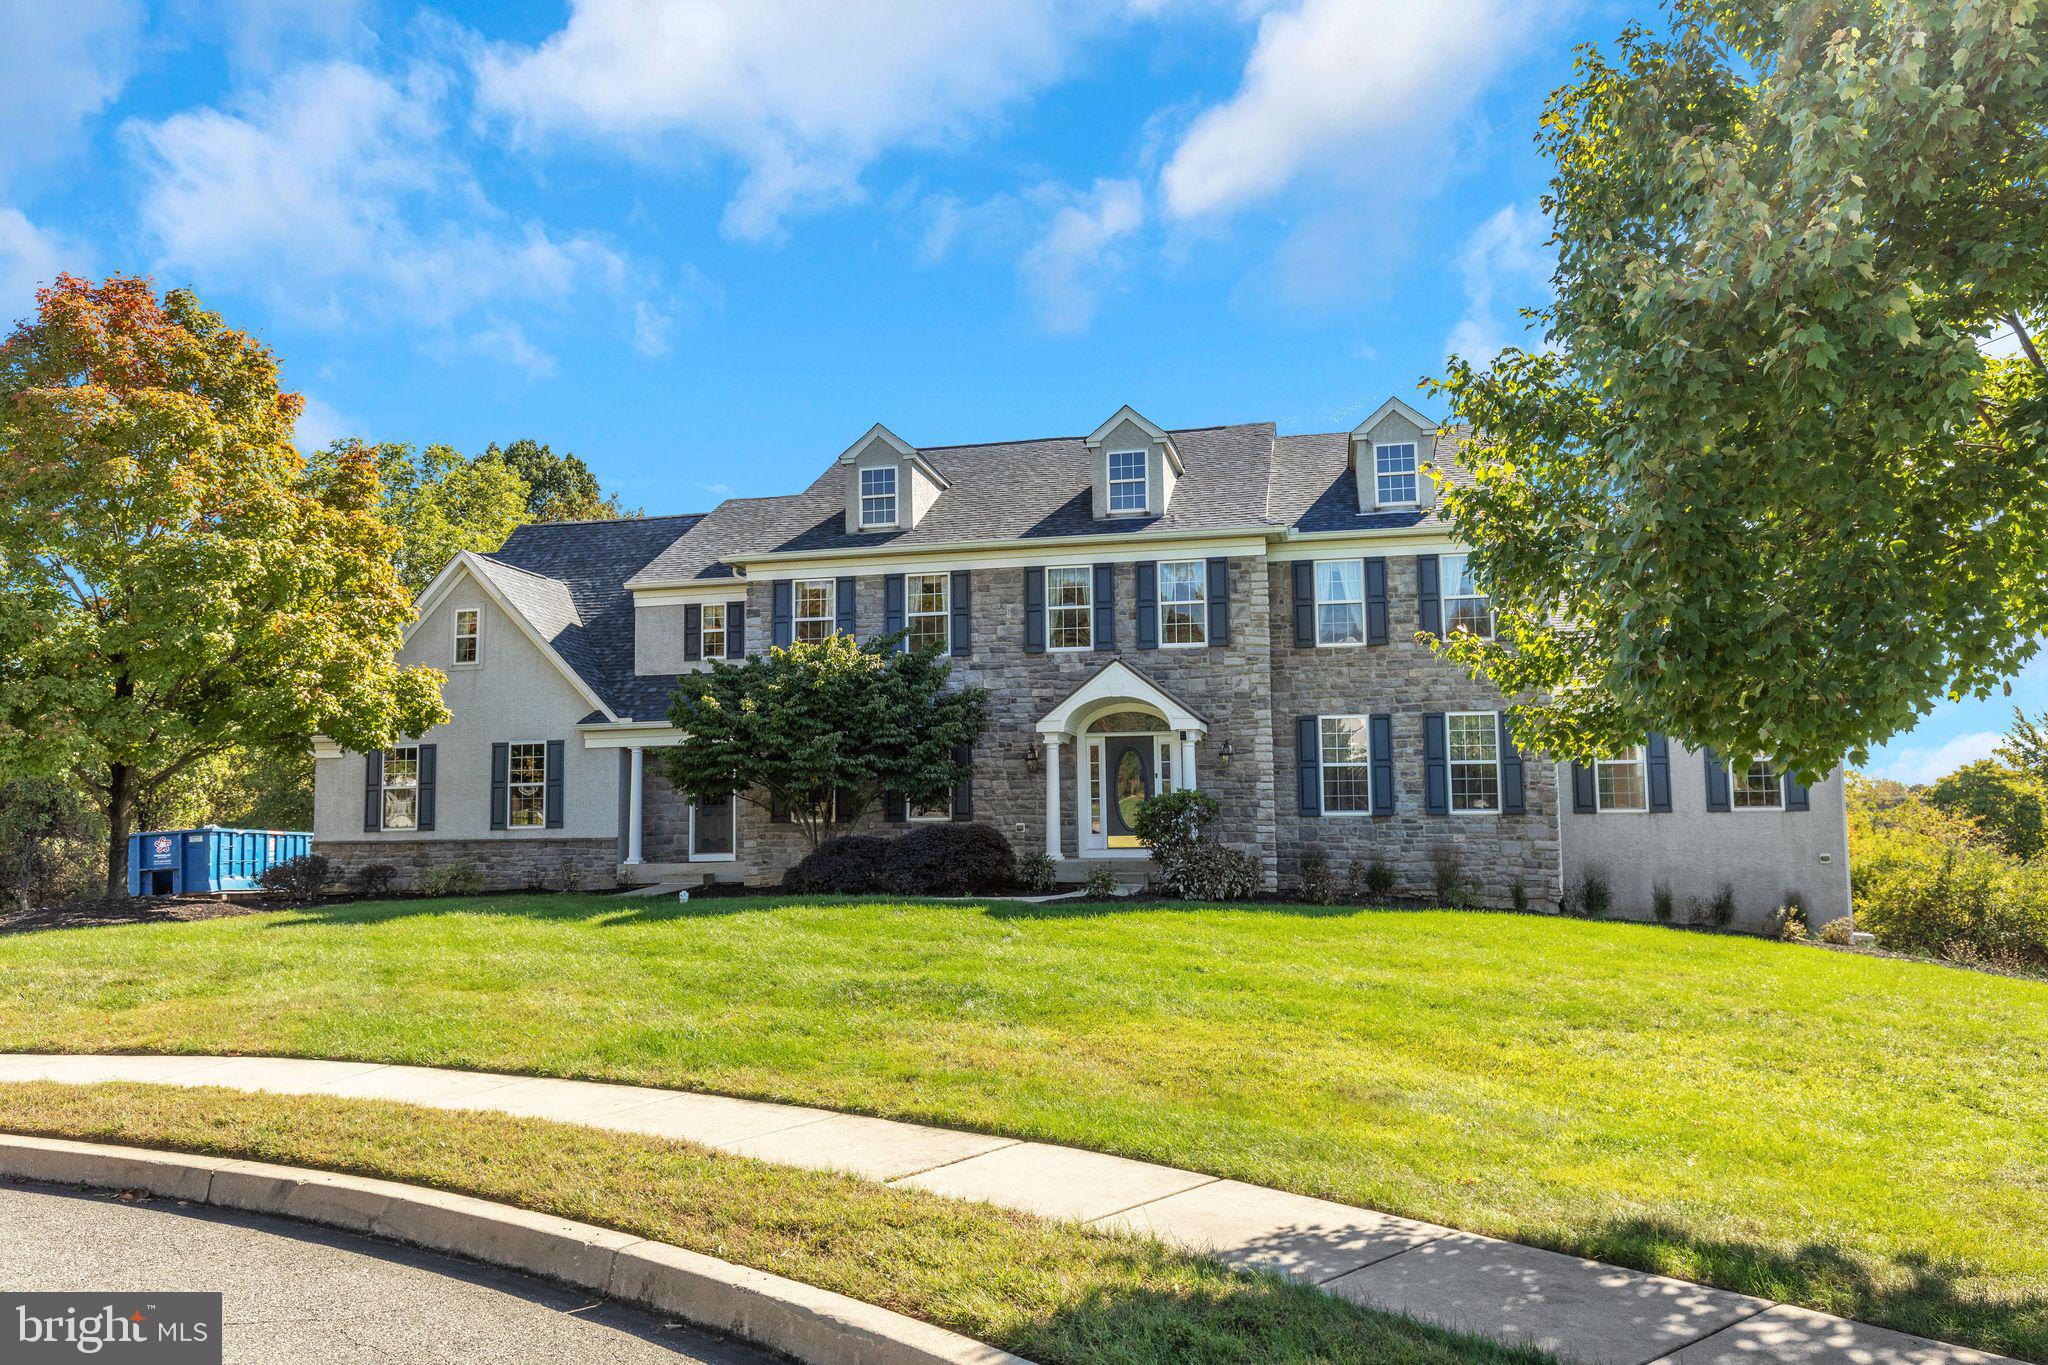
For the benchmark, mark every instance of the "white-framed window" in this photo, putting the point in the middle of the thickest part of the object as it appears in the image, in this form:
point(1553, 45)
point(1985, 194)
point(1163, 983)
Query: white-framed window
point(1474, 742)
point(1340, 602)
point(1466, 605)
point(927, 598)
point(1622, 783)
point(813, 600)
point(1395, 472)
point(1127, 492)
point(1070, 607)
point(1346, 763)
point(468, 635)
point(942, 809)
point(878, 496)
point(1183, 602)
point(402, 787)
point(713, 641)
point(527, 792)
point(1757, 786)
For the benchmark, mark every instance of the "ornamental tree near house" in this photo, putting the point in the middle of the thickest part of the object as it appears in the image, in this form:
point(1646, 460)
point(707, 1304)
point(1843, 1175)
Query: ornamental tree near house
point(1777, 484)
point(817, 727)
point(172, 586)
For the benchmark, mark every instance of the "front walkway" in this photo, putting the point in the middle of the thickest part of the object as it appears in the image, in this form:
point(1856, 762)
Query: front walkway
point(1580, 1310)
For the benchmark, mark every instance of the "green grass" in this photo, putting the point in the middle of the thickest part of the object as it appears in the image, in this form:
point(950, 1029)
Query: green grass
point(1051, 1291)
point(1864, 1136)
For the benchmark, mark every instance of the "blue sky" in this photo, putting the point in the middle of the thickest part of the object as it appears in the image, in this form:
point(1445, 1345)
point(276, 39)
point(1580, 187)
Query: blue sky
point(705, 245)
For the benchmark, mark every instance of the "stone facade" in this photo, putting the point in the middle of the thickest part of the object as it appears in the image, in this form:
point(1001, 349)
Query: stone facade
point(506, 864)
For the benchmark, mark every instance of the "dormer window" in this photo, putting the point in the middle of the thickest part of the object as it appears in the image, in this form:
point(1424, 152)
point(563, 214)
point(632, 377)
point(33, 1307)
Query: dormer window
point(1127, 492)
point(878, 496)
point(1394, 468)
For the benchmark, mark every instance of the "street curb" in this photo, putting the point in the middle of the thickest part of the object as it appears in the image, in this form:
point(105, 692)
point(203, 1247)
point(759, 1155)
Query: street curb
point(808, 1324)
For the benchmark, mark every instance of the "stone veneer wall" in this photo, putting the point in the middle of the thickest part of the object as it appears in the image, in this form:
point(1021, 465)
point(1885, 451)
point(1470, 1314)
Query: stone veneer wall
point(507, 864)
point(1404, 679)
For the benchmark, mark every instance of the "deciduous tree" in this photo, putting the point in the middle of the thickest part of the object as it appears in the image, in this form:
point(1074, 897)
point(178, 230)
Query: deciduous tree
point(559, 487)
point(2010, 806)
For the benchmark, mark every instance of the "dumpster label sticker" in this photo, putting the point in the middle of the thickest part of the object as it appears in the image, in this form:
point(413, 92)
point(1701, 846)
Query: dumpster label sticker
point(163, 846)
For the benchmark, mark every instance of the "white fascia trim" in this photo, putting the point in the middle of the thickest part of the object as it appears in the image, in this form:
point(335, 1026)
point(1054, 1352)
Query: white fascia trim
point(462, 564)
point(878, 432)
point(630, 734)
point(726, 590)
point(323, 747)
point(988, 554)
point(1407, 410)
point(1152, 430)
point(1332, 544)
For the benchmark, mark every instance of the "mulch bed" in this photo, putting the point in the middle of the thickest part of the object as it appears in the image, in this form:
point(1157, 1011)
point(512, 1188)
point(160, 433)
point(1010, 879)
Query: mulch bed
point(141, 910)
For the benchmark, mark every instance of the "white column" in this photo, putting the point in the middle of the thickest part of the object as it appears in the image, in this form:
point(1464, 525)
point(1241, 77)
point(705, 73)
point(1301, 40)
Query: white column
point(1052, 797)
point(633, 804)
point(1187, 759)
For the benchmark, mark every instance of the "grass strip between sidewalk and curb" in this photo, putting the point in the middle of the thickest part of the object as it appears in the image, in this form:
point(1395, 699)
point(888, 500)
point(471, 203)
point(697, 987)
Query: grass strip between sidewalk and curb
point(1047, 1290)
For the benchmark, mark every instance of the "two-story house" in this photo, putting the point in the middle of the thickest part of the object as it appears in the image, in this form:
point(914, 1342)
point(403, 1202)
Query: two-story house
point(1224, 608)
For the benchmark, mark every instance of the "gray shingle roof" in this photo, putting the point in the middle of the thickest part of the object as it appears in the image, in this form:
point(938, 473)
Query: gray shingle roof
point(1313, 489)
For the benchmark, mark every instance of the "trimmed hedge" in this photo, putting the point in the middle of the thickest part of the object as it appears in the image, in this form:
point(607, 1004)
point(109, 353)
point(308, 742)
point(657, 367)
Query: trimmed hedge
point(849, 864)
point(962, 859)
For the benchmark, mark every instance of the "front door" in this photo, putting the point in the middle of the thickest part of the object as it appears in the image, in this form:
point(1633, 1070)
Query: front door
point(1129, 761)
point(711, 828)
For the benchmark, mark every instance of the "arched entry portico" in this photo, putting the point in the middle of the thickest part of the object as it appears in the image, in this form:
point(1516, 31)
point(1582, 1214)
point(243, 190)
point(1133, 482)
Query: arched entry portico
point(1132, 739)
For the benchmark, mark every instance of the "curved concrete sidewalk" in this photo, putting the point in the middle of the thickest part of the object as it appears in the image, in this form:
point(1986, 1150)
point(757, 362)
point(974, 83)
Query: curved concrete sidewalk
point(1580, 1310)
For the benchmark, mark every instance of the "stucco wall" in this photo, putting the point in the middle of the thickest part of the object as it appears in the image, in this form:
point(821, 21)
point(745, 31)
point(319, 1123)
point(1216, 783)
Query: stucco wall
point(658, 634)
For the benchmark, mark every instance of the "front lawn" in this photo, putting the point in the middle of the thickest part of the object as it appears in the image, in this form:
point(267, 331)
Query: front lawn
point(1860, 1135)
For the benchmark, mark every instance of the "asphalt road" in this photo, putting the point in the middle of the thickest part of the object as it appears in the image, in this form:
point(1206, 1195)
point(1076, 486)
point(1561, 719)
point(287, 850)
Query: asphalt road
point(297, 1294)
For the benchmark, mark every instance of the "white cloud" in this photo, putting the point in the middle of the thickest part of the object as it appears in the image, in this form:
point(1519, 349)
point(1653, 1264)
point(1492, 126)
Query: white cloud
point(1330, 87)
point(1068, 264)
point(1505, 266)
point(804, 93)
point(266, 34)
point(1919, 765)
point(507, 341)
point(61, 62)
point(321, 426)
point(29, 258)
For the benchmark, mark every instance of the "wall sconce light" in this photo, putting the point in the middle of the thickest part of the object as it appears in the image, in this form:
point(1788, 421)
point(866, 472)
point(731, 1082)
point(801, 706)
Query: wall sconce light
point(1030, 757)
point(1228, 751)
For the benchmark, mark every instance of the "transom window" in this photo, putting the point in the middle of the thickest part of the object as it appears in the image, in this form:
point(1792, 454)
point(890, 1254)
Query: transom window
point(925, 594)
point(467, 633)
point(1394, 467)
point(1183, 602)
point(878, 496)
point(402, 787)
point(1759, 786)
point(713, 644)
point(1340, 601)
point(1127, 481)
point(1070, 607)
point(1621, 783)
point(813, 608)
point(1347, 785)
point(1466, 605)
point(1474, 739)
point(527, 807)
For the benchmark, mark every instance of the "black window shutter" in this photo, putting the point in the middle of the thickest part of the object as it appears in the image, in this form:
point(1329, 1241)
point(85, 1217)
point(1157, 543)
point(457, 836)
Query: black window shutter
point(1219, 602)
point(1657, 769)
point(1796, 795)
point(1512, 795)
point(845, 806)
point(1376, 601)
point(501, 775)
point(1436, 767)
point(1034, 611)
point(736, 630)
point(892, 604)
point(1380, 736)
point(963, 790)
point(554, 788)
point(963, 613)
point(1585, 800)
point(1430, 594)
point(778, 810)
point(894, 808)
point(784, 611)
point(693, 632)
point(1304, 603)
point(1717, 781)
point(1148, 605)
point(425, 818)
point(1105, 606)
point(1308, 764)
point(373, 790)
point(845, 623)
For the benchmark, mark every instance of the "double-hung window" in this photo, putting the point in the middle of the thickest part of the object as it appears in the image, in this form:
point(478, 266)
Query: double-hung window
point(878, 496)
point(925, 595)
point(1070, 607)
point(1621, 783)
point(713, 644)
point(814, 608)
point(1466, 605)
point(468, 633)
point(1395, 473)
point(1347, 785)
point(1340, 601)
point(1183, 602)
point(1474, 741)
point(527, 806)
point(1756, 786)
point(402, 787)
point(1127, 491)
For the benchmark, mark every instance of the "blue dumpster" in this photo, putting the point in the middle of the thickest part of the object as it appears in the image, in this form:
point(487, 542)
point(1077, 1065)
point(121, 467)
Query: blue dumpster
point(176, 862)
